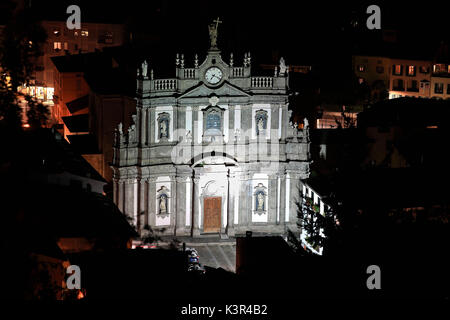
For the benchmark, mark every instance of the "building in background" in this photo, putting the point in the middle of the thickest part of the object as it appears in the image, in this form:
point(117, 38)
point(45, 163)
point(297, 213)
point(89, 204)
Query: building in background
point(410, 78)
point(211, 151)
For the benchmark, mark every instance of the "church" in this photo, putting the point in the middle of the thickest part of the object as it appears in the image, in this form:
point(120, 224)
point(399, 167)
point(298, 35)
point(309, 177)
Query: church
point(211, 151)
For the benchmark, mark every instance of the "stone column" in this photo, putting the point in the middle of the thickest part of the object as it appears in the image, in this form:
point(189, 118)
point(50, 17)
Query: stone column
point(195, 207)
point(188, 205)
point(173, 209)
point(180, 210)
point(116, 191)
point(272, 199)
point(151, 125)
point(232, 186)
point(152, 201)
point(282, 203)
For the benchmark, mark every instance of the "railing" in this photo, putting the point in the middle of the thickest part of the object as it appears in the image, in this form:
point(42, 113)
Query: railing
point(237, 72)
point(164, 84)
point(262, 82)
point(189, 73)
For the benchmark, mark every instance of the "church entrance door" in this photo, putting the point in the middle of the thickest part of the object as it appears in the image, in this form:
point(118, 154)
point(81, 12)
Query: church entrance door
point(212, 214)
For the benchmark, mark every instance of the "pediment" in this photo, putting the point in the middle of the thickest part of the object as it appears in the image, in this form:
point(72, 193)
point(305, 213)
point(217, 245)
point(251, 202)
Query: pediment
point(225, 90)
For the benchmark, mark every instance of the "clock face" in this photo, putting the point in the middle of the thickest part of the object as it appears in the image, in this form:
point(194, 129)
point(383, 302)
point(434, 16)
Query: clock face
point(213, 75)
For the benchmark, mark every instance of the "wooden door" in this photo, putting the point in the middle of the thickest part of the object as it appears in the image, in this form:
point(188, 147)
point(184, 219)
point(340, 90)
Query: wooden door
point(212, 208)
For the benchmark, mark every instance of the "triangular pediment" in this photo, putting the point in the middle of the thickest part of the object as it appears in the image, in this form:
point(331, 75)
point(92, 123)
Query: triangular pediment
point(225, 90)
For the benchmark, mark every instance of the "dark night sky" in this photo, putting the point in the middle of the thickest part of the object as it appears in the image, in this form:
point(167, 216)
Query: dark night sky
point(298, 28)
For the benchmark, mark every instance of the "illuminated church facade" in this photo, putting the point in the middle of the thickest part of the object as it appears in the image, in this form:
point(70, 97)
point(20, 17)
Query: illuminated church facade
point(211, 151)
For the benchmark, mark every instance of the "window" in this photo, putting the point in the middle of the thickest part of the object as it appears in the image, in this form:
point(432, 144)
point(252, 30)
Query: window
point(424, 69)
point(397, 69)
point(380, 69)
point(361, 68)
point(439, 68)
point(75, 33)
point(84, 33)
point(66, 46)
point(398, 85)
point(213, 124)
point(106, 37)
point(163, 126)
point(413, 86)
point(411, 70)
point(213, 121)
point(56, 32)
point(448, 88)
point(57, 46)
point(261, 122)
point(438, 88)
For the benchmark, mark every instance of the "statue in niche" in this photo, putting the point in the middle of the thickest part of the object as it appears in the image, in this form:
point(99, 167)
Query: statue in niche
point(163, 129)
point(163, 204)
point(260, 202)
point(260, 125)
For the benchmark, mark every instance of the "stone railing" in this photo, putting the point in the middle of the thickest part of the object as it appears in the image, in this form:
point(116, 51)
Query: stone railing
point(237, 72)
point(262, 82)
point(164, 84)
point(189, 73)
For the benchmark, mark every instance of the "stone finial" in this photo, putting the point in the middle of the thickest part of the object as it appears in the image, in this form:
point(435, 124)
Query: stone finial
point(196, 61)
point(151, 74)
point(249, 59)
point(177, 60)
point(245, 59)
point(231, 60)
point(276, 71)
point(182, 61)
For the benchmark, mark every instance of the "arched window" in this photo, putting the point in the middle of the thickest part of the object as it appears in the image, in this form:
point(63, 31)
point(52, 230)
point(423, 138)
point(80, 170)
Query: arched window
point(163, 126)
point(261, 122)
point(213, 124)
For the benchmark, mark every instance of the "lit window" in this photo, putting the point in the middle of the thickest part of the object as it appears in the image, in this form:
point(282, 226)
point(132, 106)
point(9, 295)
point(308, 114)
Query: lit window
point(75, 33)
point(397, 69)
point(84, 33)
point(411, 70)
point(361, 68)
point(66, 46)
point(438, 68)
point(57, 45)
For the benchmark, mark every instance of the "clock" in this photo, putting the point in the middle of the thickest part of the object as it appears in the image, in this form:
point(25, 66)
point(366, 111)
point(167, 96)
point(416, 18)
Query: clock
point(213, 75)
